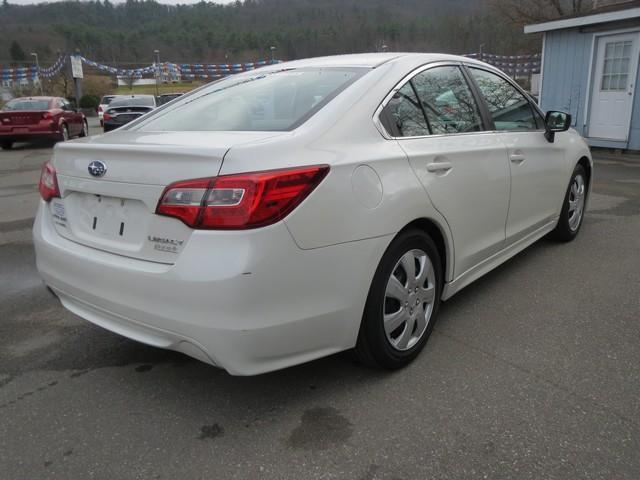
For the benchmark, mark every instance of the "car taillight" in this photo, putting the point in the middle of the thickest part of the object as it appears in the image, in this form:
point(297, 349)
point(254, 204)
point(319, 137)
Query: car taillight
point(47, 116)
point(48, 183)
point(241, 201)
point(106, 116)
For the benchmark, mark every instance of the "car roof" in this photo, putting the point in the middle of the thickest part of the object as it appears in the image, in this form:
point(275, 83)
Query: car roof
point(369, 60)
point(39, 97)
point(133, 95)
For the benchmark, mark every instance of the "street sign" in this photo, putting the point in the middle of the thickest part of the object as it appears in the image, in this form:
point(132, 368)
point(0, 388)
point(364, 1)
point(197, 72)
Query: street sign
point(76, 66)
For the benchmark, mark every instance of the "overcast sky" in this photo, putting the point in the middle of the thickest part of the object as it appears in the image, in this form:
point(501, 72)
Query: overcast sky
point(168, 2)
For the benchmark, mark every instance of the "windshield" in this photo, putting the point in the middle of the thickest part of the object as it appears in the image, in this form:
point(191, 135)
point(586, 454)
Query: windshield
point(27, 104)
point(275, 101)
point(132, 102)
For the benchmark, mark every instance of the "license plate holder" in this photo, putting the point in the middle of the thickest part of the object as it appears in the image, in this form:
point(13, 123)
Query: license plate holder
point(106, 217)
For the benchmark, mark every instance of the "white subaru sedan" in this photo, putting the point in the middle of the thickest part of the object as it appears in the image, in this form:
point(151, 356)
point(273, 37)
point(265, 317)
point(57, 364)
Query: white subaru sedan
point(306, 208)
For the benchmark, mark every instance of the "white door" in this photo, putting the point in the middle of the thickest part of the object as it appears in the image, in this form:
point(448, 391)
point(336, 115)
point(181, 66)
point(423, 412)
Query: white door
point(613, 85)
point(538, 179)
point(465, 171)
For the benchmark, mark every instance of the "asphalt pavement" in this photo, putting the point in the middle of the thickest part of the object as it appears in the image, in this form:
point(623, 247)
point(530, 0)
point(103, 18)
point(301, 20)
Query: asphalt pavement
point(532, 372)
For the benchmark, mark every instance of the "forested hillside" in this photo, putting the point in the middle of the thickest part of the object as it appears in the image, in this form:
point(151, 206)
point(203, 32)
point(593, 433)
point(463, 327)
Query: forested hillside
point(244, 31)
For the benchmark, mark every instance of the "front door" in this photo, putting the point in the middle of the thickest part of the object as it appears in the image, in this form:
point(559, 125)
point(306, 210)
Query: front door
point(538, 177)
point(614, 80)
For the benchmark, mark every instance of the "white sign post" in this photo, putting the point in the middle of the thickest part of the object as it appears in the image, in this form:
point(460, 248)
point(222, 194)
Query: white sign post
point(76, 66)
point(76, 73)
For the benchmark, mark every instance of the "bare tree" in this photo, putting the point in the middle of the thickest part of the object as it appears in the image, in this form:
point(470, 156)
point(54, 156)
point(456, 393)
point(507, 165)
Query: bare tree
point(532, 11)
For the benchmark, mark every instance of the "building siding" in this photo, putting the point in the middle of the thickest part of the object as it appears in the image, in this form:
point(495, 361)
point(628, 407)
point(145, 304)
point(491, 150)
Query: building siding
point(565, 84)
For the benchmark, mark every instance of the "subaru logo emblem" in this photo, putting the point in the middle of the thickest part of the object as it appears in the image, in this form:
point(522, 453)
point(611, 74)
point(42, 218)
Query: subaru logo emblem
point(97, 168)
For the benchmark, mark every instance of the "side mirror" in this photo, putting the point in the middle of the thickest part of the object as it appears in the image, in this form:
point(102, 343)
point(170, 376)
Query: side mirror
point(556, 122)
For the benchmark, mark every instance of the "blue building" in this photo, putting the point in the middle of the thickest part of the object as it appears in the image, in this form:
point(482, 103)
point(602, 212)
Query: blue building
point(590, 70)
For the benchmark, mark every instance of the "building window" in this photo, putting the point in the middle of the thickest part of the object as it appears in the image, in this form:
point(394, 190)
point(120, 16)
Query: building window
point(617, 61)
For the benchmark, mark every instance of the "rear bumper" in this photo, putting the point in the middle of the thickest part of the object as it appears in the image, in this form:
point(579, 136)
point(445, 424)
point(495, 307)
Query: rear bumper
point(111, 125)
point(19, 136)
point(249, 302)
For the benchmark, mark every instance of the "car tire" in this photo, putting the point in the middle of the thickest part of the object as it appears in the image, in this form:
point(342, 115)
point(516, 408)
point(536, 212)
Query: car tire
point(64, 133)
point(6, 144)
point(393, 329)
point(573, 204)
point(85, 129)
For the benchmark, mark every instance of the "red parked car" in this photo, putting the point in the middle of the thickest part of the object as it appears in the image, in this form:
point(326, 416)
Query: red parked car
point(23, 119)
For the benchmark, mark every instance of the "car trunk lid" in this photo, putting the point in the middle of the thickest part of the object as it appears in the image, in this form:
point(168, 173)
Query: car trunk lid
point(21, 117)
point(115, 212)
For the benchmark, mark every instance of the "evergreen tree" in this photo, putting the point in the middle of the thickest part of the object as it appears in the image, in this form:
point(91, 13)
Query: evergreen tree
point(16, 52)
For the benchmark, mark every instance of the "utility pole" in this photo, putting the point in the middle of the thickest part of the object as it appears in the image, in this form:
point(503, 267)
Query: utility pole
point(481, 52)
point(273, 51)
point(157, 53)
point(33, 54)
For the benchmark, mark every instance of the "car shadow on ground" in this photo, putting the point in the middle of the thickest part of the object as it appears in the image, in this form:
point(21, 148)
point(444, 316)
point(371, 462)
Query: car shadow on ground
point(39, 144)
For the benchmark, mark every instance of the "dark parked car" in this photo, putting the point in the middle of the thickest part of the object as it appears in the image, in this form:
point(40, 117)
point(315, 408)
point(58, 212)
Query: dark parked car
point(24, 119)
point(167, 97)
point(104, 104)
point(125, 109)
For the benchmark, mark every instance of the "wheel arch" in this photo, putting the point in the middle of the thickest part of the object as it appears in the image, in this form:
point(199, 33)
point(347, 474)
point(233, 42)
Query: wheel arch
point(586, 164)
point(440, 238)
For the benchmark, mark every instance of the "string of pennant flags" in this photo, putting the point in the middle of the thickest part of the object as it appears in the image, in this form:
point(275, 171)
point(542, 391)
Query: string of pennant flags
point(511, 64)
point(184, 70)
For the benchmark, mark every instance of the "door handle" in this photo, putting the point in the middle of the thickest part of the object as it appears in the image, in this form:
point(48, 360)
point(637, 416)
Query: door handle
point(439, 167)
point(516, 157)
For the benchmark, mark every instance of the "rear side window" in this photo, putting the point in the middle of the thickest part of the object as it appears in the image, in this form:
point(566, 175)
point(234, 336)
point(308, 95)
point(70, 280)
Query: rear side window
point(106, 100)
point(273, 101)
point(447, 101)
point(509, 108)
point(403, 116)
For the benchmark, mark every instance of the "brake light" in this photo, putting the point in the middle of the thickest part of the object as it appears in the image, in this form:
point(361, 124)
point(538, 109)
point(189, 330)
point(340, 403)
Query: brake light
point(106, 116)
point(47, 116)
point(241, 201)
point(48, 183)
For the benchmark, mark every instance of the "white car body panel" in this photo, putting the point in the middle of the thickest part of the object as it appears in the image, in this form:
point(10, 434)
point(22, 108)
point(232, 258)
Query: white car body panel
point(252, 301)
point(473, 195)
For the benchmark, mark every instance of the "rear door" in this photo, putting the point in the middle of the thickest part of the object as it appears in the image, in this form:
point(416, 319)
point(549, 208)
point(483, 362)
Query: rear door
point(538, 176)
point(463, 168)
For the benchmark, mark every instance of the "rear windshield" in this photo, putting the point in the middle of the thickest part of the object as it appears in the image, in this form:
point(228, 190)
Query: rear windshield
point(27, 104)
point(107, 100)
point(274, 101)
point(132, 102)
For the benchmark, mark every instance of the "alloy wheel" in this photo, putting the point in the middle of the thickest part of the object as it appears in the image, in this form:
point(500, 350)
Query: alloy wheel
point(409, 299)
point(576, 202)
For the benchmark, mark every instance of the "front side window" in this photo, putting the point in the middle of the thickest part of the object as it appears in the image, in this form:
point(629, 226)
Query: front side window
point(271, 101)
point(404, 114)
point(509, 109)
point(447, 101)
